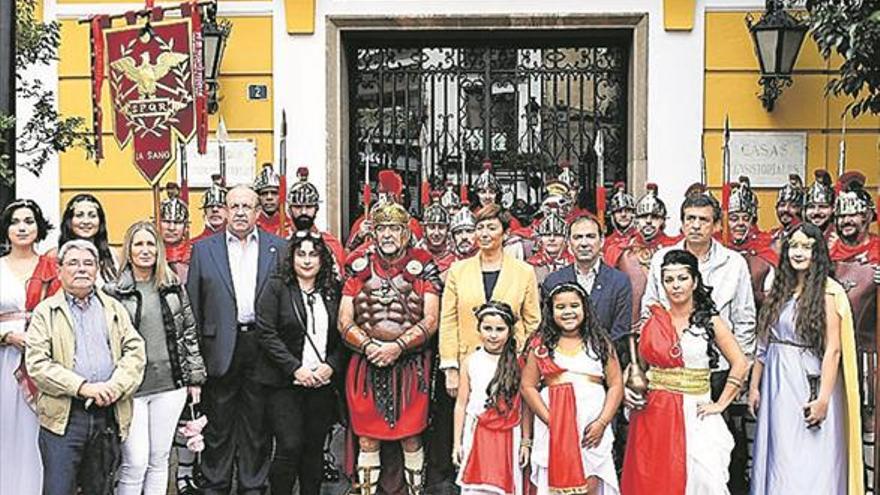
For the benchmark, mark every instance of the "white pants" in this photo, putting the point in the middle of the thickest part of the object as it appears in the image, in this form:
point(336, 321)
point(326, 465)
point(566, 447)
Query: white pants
point(145, 452)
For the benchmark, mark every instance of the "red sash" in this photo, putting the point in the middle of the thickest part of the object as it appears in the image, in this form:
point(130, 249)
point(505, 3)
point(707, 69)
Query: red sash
point(565, 470)
point(491, 459)
point(758, 243)
point(657, 431)
point(870, 249)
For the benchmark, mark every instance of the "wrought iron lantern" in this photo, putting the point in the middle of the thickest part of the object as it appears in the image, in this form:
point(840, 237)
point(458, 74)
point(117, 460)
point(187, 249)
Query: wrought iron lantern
point(777, 37)
point(214, 36)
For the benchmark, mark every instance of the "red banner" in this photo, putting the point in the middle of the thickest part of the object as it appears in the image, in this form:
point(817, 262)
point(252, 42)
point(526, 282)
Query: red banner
point(151, 74)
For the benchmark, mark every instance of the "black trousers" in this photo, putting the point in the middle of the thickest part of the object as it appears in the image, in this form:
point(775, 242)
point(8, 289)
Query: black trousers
point(299, 419)
point(236, 436)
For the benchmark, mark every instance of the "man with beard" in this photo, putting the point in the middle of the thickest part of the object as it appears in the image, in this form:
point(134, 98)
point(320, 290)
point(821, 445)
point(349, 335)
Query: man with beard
point(390, 191)
point(267, 186)
point(855, 253)
point(388, 313)
point(173, 224)
point(213, 209)
point(463, 229)
point(789, 208)
point(819, 203)
point(303, 202)
point(436, 224)
point(746, 239)
point(553, 253)
point(619, 225)
point(634, 257)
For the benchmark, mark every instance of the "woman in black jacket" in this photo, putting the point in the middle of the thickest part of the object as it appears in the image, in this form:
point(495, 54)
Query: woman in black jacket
point(296, 326)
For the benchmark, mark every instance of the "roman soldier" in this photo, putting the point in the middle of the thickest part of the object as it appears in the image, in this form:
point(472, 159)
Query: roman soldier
point(303, 202)
point(748, 240)
point(553, 252)
point(390, 191)
point(488, 190)
point(855, 254)
point(819, 203)
point(450, 198)
point(388, 313)
point(435, 221)
point(634, 256)
point(267, 185)
point(214, 209)
point(463, 229)
point(173, 225)
point(789, 207)
point(620, 214)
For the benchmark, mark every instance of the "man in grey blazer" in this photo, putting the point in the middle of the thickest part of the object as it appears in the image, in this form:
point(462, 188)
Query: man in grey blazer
point(227, 272)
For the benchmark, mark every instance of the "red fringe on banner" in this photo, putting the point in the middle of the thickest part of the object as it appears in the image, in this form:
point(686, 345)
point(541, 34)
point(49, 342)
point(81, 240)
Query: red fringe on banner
point(98, 23)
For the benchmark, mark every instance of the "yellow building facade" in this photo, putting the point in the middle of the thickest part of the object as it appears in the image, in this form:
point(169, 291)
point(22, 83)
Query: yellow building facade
point(698, 67)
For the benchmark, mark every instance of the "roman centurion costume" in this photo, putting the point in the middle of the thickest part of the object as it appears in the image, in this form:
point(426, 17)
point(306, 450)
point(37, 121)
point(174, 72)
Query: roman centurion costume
point(391, 402)
point(436, 214)
point(304, 193)
point(552, 224)
point(756, 246)
point(268, 179)
point(214, 196)
point(792, 192)
point(620, 234)
point(174, 209)
point(821, 192)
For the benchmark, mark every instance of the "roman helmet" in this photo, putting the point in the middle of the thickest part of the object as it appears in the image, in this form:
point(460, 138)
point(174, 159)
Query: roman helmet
point(650, 203)
point(303, 192)
point(267, 179)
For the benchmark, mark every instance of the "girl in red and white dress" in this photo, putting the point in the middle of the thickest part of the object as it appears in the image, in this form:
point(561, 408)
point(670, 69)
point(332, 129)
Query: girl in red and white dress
point(572, 382)
point(491, 439)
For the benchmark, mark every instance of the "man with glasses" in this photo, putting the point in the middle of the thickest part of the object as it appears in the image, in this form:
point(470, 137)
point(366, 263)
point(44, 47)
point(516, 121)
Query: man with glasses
point(226, 274)
point(86, 359)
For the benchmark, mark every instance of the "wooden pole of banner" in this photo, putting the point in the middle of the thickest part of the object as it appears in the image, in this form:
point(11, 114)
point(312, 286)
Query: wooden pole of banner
point(156, 208)
point(877, 346)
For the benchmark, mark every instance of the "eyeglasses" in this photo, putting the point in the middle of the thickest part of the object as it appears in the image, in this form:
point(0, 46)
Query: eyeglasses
point(302, 234)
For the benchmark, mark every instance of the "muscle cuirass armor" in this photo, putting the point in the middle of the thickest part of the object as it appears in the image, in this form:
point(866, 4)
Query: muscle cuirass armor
point(635, 262)
point(758, 270)
point(386, 308)
point(858, 280)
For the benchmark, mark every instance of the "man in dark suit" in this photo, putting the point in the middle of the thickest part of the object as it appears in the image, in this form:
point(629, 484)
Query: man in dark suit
point(610, 294)
point(610, 290)
point(227, 272)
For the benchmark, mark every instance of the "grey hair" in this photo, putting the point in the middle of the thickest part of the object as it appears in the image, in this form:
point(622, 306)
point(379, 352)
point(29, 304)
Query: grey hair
point(81, 244)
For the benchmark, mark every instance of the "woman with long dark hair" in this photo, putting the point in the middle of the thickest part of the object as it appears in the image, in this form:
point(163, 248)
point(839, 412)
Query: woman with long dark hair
point(26, 278)
point(678, 422)
point(303, 360)
point(572, 383)
point(84, 218)
point(804, 390)
point(491, 440)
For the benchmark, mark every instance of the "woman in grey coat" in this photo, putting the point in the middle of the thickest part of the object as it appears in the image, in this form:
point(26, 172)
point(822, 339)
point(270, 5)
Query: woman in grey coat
point(159, 308)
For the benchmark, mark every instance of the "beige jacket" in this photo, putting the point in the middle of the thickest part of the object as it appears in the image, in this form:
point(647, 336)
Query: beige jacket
point(49, 358)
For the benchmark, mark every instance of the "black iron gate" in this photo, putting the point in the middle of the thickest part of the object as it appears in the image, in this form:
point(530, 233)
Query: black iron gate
point(434, 111)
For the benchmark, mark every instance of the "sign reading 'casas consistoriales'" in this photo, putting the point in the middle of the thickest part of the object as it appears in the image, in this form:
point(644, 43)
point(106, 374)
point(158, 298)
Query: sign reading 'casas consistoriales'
point(152, 78)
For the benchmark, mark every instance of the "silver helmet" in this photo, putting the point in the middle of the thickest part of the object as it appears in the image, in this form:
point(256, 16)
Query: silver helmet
point(216, 194)
point(487, 180)
point(450, 199)
point(303, 192)
point(462, 219)
point(821, 192)
point(435, 213)
point(552, 224)
point(742, 198)
point(620, 199)
point(267, 179)
point(853, 199)
point(793, 192)
point(650, 203)
point(173, 209)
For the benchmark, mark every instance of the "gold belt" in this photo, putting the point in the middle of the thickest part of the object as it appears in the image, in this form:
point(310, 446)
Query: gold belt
point(691, 381)
point(572, 377)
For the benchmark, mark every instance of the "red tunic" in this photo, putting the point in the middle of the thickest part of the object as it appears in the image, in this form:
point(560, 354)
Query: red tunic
point(617, 240)
point(657, 431)
point(178, 256)
point(272, 224)
point(613, 252)
point(490, 462)
point(42, 283)
point(868, 250)
point(208, 232)
point(758, 244)
point(409, 375)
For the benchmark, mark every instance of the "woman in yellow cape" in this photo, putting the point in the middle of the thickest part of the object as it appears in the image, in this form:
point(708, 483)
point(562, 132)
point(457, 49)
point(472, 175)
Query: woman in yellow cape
point(804, 390)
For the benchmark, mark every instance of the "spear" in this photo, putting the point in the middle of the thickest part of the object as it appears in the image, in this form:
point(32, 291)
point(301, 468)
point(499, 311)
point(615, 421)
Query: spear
point(368, 157)
point(841, 157)
point(184, 172)
point(725, 177)
point(222, 137)
point(463, 188)
point(282, 172)
point(599, 148)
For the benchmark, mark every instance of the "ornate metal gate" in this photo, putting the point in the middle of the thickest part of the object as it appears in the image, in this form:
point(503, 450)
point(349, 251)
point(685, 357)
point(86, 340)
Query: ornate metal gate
point(437, 111)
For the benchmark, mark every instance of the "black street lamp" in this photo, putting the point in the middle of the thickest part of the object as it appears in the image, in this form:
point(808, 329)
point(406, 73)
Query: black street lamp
point(777, 38)
point(214, 36)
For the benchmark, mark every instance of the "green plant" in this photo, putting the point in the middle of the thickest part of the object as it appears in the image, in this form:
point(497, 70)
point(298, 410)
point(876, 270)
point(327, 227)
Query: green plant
point(850, 28)
point(46, 132)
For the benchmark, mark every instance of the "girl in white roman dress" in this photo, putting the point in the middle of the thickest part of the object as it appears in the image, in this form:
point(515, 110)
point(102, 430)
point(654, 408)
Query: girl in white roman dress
point(572, 382)
point(490, 439)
